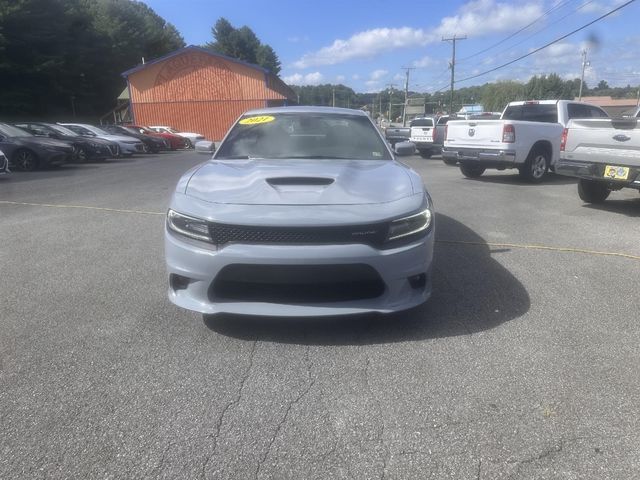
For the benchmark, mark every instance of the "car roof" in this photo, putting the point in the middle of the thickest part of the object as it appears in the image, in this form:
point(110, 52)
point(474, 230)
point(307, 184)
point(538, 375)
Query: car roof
point(306, 109)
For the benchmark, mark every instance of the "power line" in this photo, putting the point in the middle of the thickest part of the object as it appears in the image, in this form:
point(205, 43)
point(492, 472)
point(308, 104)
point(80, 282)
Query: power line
point(548, 44)
point(548, 12)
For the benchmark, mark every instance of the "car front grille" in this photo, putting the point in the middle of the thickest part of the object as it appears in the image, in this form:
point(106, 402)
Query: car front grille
point(373, 234)
point(296, 284)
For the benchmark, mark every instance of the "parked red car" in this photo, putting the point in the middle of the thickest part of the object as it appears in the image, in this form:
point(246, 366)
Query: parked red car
point(175, 141)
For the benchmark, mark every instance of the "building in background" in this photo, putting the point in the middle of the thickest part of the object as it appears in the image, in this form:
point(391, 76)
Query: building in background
point(196, 90)
point(615, 107)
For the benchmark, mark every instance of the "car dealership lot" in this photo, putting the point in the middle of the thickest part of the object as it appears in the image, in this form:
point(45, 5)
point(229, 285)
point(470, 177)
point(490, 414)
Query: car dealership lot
point(522, 365)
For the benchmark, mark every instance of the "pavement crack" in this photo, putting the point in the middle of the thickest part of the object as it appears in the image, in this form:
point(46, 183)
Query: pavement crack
point(479, 470)
point(380, 435)
point(299, 397)
point(227, 407)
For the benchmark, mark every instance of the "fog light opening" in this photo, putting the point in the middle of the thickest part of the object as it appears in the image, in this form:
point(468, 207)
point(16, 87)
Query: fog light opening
point(178, 282)
point(418, 281)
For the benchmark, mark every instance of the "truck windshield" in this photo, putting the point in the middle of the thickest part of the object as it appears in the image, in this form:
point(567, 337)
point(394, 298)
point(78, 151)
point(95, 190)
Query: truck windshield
point(532, 112)
point(422, 122)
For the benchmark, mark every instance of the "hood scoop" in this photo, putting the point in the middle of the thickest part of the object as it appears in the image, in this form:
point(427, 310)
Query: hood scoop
point(299, 181)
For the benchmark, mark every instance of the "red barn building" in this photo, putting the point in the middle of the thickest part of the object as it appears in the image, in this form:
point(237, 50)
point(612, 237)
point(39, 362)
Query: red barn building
point(195, 90)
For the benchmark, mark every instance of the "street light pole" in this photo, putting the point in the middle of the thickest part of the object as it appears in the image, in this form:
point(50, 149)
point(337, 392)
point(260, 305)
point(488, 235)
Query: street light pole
point(585, 63)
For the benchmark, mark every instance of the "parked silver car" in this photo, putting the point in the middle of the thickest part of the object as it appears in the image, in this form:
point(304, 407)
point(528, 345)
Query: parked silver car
point(301, 211)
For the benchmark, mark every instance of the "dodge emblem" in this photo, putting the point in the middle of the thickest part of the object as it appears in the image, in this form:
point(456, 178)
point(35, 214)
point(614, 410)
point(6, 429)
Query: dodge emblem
point(472, 132)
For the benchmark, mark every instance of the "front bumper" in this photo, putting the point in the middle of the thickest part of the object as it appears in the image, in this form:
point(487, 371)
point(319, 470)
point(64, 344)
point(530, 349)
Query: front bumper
point(4, 165)
point(595, 171)
point(202, 264)
point(131, 148)
point(484, 157)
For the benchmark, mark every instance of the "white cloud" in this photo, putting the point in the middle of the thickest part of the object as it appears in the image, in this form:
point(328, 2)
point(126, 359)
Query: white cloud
point(314, 78)
point(355, 76)
point(480, 17)
point(398, 76)
point(378, 74)
point(475, 18)
point(424, 62)
point(340, 78)
point(599, 7)
point(365, 44)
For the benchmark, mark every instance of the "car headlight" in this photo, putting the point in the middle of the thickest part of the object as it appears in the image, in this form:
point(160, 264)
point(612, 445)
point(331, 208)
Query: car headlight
point(411, 224)
point(187, 226)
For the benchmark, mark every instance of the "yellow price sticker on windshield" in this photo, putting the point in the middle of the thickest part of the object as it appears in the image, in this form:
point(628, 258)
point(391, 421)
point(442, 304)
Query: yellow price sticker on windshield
point(257, 120)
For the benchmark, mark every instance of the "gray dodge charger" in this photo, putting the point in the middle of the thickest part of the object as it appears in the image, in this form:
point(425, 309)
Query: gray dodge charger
point(301, 211)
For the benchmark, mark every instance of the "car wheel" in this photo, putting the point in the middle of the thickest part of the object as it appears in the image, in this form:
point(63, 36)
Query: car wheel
point(425, 153)
point(145, 148)
point(592, 191)
point(26, 160)
point(471, 171)
point(81, 155)
point(535, 166)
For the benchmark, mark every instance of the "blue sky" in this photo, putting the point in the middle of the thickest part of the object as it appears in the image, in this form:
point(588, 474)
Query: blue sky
point(366, 44)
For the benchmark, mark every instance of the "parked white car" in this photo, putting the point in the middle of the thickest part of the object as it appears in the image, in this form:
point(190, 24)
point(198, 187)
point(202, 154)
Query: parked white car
point(128, 145)
point(192, 137)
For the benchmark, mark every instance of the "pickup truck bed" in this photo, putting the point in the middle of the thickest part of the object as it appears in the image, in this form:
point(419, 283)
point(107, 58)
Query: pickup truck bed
point(603, 153)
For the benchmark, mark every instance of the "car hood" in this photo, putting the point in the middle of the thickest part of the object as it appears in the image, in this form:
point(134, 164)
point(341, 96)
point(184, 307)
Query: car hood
point(300, 182)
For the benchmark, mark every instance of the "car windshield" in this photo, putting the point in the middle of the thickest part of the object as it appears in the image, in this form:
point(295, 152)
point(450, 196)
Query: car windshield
point(97, 131)
point(11, 131)
point(304, 135)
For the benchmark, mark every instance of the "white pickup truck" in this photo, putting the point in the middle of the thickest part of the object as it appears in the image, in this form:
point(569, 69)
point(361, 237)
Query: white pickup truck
point(527, 137)
point(603, 153)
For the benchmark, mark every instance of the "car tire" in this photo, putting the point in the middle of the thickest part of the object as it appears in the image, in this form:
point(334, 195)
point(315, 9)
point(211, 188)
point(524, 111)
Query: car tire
point(471, 171)
point(81, 155)
point(26, 160)
point(145, 148)
point(425, 153)
point(592, 191)
point(535, 166)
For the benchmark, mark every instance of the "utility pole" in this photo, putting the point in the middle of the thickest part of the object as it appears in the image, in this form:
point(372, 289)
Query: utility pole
point(390, 88)
point(453, 65)
point(585, 63)
point(406, 95)
point(333, 92)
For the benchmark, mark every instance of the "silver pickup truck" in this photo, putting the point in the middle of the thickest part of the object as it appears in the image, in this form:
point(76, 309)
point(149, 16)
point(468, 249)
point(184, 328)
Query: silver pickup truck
point(603, 153)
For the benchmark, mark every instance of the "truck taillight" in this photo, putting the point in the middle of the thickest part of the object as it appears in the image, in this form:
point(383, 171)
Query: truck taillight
point(563, 140)
point(508, 134)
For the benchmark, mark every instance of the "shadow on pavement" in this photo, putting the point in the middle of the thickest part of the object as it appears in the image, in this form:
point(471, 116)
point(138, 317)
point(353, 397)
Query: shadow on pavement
point(629, 207)
point(514, 179)
point(472, 292)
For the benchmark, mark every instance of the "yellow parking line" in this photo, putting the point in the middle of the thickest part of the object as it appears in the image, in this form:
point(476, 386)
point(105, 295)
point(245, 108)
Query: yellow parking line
point(542, 247)
point(85, 207)
point(445, 242)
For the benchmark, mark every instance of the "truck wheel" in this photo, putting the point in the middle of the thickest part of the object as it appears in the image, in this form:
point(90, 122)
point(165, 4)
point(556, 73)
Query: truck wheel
point(425, 153)
point(592, 191)
point(471, 171)
point(535, 166)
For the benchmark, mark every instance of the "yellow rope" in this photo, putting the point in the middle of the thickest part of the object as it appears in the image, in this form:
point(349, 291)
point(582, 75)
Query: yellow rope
point(85, 207)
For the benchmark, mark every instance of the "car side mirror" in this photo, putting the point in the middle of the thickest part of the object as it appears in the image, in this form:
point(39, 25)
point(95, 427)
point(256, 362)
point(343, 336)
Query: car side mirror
point(206, 147)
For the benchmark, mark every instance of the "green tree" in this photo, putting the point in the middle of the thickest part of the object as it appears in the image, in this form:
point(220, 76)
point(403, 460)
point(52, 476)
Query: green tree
point(243, 44)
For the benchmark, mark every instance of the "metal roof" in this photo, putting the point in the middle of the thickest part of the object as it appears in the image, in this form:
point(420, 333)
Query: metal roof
point(193, 48)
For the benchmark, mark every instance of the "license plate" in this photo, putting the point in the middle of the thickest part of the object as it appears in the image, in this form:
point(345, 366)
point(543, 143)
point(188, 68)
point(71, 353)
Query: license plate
point(616, 173)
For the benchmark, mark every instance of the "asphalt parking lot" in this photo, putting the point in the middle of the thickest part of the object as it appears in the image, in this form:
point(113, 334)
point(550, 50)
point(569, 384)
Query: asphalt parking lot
point(523, 365)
